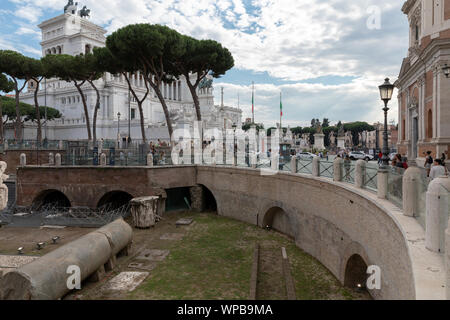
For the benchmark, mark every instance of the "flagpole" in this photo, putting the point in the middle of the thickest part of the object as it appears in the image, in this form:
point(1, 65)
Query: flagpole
point(253, 102)
point(281, 113)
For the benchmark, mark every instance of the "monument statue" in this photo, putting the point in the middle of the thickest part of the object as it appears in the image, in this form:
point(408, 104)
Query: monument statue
point(85, 12)
point(332, 139)
point(205, 83)
point(341, 132)
point(70, 7)
point(3, 187)
point(319, 128)
point(349, 139)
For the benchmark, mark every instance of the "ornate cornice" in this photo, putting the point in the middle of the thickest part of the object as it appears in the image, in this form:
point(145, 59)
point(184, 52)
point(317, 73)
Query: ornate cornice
point(408, 5)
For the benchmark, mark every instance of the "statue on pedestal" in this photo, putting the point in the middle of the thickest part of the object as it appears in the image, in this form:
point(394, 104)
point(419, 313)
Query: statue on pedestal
point(85, 12)
point(332, 139)
point(70, 7)
point(3, 187)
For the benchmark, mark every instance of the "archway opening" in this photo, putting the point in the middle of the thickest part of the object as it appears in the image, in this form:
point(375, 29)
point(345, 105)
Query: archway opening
point(178, 199)
point(52, 198)
point(114, 200)
point(277, 219)
point(355, 272)
point(210, 204)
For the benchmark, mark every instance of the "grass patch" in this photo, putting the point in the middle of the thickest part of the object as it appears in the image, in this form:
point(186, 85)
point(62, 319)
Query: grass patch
point(214, 261)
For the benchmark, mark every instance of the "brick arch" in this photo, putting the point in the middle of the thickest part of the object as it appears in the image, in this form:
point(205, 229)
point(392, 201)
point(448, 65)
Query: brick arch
point(277, 216)
point(51, 196)
point(115, 198)
point(216, 194)
point(353, 249)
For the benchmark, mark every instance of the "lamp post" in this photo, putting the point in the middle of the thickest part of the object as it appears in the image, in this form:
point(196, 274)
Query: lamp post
point(118, 129)
point(386, 90)
point(234, 126)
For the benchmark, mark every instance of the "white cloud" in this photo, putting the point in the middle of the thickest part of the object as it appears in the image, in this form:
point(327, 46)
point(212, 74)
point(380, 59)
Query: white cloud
point(289, 39)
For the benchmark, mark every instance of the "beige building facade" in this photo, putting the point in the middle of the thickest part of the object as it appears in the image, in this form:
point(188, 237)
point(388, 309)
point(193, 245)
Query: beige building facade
point(424, 90)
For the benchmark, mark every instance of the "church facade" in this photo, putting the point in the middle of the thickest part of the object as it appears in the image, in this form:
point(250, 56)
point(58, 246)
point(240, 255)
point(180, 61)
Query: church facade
point(424, 90)
point(118, 117)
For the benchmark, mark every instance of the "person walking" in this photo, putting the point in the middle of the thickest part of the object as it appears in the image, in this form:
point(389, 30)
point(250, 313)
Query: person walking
point(428, 162)
point(437, 170)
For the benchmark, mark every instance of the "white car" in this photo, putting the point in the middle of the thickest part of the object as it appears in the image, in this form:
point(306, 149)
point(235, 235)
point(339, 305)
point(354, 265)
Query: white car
point(358, 155)
point(306, 155)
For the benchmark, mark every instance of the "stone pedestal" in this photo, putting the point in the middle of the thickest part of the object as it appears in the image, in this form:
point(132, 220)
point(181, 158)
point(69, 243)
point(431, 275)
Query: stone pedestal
point(410, 189)
point(58, 160)
point(341, 142)
point(143, 211)
point(337, 169)
point(294, 164)
point(437, 205)
point(316, 167)
point(359, 173)
point(103, 160)
point(23, 160)
point(382, 183)
point(319, 143)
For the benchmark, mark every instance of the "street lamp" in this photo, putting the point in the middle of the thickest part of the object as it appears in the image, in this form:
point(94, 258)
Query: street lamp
point(386, 90)
point(118, 129)
point(446, 69)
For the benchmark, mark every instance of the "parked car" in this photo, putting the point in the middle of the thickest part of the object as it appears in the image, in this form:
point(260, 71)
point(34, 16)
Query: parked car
point(358, 155)
point(306, 155)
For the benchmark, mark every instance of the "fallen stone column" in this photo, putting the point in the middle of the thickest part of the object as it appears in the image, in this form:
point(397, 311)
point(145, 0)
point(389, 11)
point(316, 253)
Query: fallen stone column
point(46, 278)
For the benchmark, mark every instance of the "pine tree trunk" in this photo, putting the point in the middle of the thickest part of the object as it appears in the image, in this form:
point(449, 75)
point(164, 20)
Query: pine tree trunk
point(141, 114)
point(165, 109)
point(18, 123)
point(195, 98)
point(97, 106)
point(38, 114)
point(86, 112)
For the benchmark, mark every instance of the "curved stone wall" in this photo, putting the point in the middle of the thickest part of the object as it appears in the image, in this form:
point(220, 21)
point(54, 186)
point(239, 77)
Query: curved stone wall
point(328, 220)
point(332, 221)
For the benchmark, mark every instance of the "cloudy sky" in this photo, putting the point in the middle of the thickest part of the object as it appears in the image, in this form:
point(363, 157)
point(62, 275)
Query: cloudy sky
point(327, 57)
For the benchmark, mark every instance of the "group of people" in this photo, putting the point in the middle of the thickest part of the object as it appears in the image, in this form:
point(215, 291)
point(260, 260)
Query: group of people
point(400, 162)
point(435, 168)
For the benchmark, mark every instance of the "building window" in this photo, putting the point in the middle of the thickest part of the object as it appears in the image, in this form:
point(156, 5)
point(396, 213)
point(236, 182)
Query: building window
point(417, 32)
point(133, 114)
point(430, 124)
point(403, 129)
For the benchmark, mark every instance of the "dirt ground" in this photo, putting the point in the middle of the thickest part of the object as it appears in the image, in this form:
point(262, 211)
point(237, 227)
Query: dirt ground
point(209, 259)
point(12, 238)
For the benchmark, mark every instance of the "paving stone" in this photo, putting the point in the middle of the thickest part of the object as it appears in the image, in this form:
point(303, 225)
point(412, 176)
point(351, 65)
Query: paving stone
point(153, 255)
point(142, 266)
point(172, 236)
point(125, 281)
point(184, 222)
